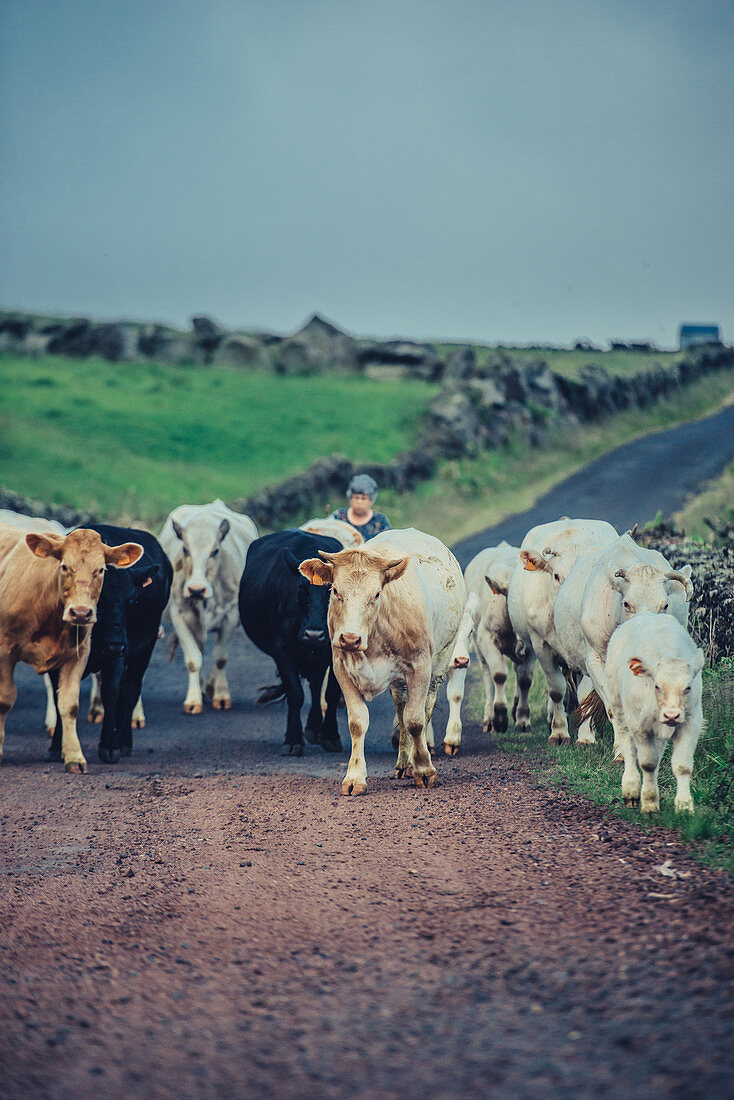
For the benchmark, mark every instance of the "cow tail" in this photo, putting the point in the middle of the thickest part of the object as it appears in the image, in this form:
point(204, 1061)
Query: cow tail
point(270, 693)
point(172, 645)
point(591, 706)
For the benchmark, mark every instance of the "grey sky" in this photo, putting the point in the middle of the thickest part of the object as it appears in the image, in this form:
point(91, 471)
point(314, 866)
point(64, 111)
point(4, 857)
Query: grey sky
point(521, 171)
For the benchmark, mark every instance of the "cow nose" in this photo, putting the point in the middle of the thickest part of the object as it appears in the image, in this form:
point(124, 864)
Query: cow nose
point(461, 662)
point(116, 649)
point(81, 614)
point(313, 635)
point(672, 716)
point(195, 591)
point(349, 641)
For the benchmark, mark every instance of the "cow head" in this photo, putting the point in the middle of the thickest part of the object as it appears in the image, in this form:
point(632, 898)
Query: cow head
point(357, 578)
point(313, 603)
point(201, 541)
point(677, 686)
point(647, 588)
point(121, 590)
point(82, 558)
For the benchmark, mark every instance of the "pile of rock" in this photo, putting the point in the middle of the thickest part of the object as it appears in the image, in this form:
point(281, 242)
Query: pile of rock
point(712, 607)
point(66, 516)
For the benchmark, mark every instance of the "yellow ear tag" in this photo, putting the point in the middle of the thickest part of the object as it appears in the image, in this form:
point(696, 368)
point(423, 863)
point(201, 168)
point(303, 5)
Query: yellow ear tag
point(531, 566)
point(316, 579)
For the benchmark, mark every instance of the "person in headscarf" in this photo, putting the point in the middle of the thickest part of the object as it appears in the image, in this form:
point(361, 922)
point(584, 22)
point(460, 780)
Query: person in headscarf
point(360, 513)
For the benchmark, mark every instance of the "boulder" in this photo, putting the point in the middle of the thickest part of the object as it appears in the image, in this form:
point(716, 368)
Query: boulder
point(404, 358)
point(318, 345)
point(243, 352)
point(209, 334)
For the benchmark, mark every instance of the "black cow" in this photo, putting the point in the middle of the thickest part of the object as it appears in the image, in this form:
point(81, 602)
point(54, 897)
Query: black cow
point(123, 637)
point(285, 617)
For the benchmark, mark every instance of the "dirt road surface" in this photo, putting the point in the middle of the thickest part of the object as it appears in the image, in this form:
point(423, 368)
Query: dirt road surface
point(209, 919)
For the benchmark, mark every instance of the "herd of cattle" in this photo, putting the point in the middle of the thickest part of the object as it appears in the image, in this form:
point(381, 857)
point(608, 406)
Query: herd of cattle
point(605, 618)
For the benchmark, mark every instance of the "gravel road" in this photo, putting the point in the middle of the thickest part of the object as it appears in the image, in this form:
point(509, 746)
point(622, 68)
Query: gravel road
point(210, 919)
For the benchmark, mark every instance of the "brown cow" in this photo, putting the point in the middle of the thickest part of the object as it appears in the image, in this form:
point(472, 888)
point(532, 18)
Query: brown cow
point(49, 588)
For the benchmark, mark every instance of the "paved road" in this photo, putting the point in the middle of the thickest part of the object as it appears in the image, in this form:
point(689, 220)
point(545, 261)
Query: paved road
point(630, 485)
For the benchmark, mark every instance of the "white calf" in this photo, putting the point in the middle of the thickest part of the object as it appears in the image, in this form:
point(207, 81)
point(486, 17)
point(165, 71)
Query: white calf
point(653, 678)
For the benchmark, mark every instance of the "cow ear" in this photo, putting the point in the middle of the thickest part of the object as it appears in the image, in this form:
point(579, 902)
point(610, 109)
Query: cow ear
point(618, 579)
point(45, 546)
point(124, 555)
point(533, 561)
point(223, 530)
point(497, 587)
point(177, 530)
point(636, 666)
point(394, 569)
point(291, 561)
point(316, 571)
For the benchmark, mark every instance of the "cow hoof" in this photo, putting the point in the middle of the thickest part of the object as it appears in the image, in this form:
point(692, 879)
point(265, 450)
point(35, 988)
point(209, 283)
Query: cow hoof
point(138, 723)
point(54, 755)
point(522, 726)
point(74, 767)
point(353, 786)
point(50, 731)
point(486, 727)
point(331, 746)
point(631, 802)
point(126, 750)
point(292, 750)
point(499, 722)
point(222, 702)
point(108, 756)
point(312, 736)
point(559, 739)
point(584, 742)
point(404, 773)
point(192, 708)
point(450, 750)
point(427, 780)
point(95, 717)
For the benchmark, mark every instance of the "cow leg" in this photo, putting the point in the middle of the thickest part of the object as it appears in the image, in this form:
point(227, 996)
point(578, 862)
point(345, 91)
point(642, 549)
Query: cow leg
point(217, 686)
point(138, 718)
point(70, 678)
point(129, 699)
point(556, 681)
point(630, 775)
point(585, 734)
point(111, 677)
point(403, 765)
point(496, 669)
point(418, 684)
point(329, 736)
point(50, 719)
point(684, 746)
point(96, 707)
point(355, 781)
point(8, 694)
point(455, 685)
point(521, 706)
point(192, 645)
point(294, 698)
point(648, 756)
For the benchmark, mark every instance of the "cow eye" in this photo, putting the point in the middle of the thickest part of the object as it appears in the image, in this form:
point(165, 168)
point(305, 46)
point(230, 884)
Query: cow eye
point(665, 607)
point(63, 568)
point(627, 606)
point(337, 594)
point(186, 552)
point(214, 553)
point(376, 597)
point(557, 577)
point(687, 691)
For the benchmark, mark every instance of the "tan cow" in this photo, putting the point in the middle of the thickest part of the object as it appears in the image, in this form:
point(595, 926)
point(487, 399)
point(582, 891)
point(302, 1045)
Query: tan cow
point(395, 606)
point(49, 588)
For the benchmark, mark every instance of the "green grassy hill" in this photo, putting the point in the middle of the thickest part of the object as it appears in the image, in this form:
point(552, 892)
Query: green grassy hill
point(136, 440)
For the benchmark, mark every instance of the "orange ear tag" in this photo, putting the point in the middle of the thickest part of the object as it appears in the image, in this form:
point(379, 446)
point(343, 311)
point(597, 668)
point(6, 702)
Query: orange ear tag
point(635, 666)
point(149, 581)
point(316, 579)
point(531, 566)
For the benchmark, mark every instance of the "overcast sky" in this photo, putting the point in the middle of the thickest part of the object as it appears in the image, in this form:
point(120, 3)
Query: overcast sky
point(521, 171)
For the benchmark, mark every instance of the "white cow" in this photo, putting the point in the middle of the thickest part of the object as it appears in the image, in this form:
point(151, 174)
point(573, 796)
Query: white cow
point(653, 677)
point(605, 588)
point(395, 607)
point(547, 556)
point(207, 545)
point(337, 529)
point(486, 624)
point(38, 523)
